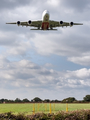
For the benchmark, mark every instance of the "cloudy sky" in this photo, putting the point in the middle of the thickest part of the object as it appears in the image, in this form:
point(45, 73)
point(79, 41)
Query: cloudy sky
point(45, 64)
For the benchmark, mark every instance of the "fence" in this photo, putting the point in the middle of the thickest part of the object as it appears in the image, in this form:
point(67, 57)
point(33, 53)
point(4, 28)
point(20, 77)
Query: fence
point(47, 107)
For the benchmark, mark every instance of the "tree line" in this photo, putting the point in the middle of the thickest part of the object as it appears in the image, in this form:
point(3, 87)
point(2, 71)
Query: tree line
point(37, 99)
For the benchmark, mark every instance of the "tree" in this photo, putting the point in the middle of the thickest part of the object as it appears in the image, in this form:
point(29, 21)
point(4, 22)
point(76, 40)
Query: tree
point(26, 100)
point(46, 100)
point(69, 100)
point(11, 101)
point(2, 100)
point(36, 99)
point(6, 100)
point(87, 98)
point(17, 100)
point(57, 101)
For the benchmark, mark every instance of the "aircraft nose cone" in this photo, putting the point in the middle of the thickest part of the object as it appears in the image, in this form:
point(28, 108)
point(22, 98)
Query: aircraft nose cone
point(45, 15)
point(46, 11)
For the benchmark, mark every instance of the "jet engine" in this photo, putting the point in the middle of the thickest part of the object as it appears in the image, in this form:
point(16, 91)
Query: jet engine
point(29, 22)
point(61, 22)
point(71, 24)
point(18, 23)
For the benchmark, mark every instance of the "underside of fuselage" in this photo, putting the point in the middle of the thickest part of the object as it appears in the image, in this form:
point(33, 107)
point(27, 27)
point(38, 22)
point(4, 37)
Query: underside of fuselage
point(45, 26)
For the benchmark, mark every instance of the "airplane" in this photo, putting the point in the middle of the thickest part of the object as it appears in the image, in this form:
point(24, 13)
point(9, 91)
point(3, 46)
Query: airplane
point(45, 23)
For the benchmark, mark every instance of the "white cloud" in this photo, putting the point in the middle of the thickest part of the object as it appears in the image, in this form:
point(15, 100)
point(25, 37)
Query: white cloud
point(53, 3)
point(82, 60)
point(25, 74)
point(19, 76)
point(83, 73)
point(48, 65)
point(24, 71)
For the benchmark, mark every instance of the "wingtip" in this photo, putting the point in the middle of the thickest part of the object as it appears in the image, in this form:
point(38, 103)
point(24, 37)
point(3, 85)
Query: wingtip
point(7, 23)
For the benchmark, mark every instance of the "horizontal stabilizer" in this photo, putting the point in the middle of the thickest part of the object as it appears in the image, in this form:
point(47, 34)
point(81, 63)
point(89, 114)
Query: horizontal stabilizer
point(35, 29)
point(11, 23)
point(44, 30)
point(52, 29)
point(78, 23)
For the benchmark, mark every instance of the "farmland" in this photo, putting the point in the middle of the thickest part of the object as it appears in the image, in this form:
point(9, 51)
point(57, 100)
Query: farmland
point(28, 108)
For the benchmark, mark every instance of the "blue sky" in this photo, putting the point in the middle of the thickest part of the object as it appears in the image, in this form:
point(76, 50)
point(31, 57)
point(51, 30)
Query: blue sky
point(45, 64)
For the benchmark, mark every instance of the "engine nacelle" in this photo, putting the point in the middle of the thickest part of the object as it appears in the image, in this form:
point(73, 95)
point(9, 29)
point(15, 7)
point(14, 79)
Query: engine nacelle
point(18, 23)
point(61, 22)
point(71, 24)
point(29, 22)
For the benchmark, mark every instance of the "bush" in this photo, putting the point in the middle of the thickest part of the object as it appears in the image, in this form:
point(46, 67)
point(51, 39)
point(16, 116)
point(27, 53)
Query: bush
point(72, 115)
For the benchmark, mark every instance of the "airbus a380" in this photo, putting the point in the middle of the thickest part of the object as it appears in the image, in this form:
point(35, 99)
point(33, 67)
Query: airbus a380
point(45, 23)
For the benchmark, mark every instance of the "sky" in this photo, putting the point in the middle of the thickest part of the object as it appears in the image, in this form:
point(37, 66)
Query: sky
point(45, 64)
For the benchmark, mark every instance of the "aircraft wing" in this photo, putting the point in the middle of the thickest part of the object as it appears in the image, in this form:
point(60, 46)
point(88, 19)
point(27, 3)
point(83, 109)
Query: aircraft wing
point(62, 24)
point(52, 24)
point(28, 23)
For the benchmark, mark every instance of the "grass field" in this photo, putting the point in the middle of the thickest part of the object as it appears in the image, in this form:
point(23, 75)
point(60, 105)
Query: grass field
point(40, 107)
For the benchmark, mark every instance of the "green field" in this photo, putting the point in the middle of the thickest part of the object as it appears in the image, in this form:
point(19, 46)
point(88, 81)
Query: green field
point(40, 107)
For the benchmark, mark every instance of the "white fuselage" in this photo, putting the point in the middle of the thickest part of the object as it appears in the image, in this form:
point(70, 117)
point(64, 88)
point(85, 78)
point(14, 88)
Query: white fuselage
point(45, 20)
